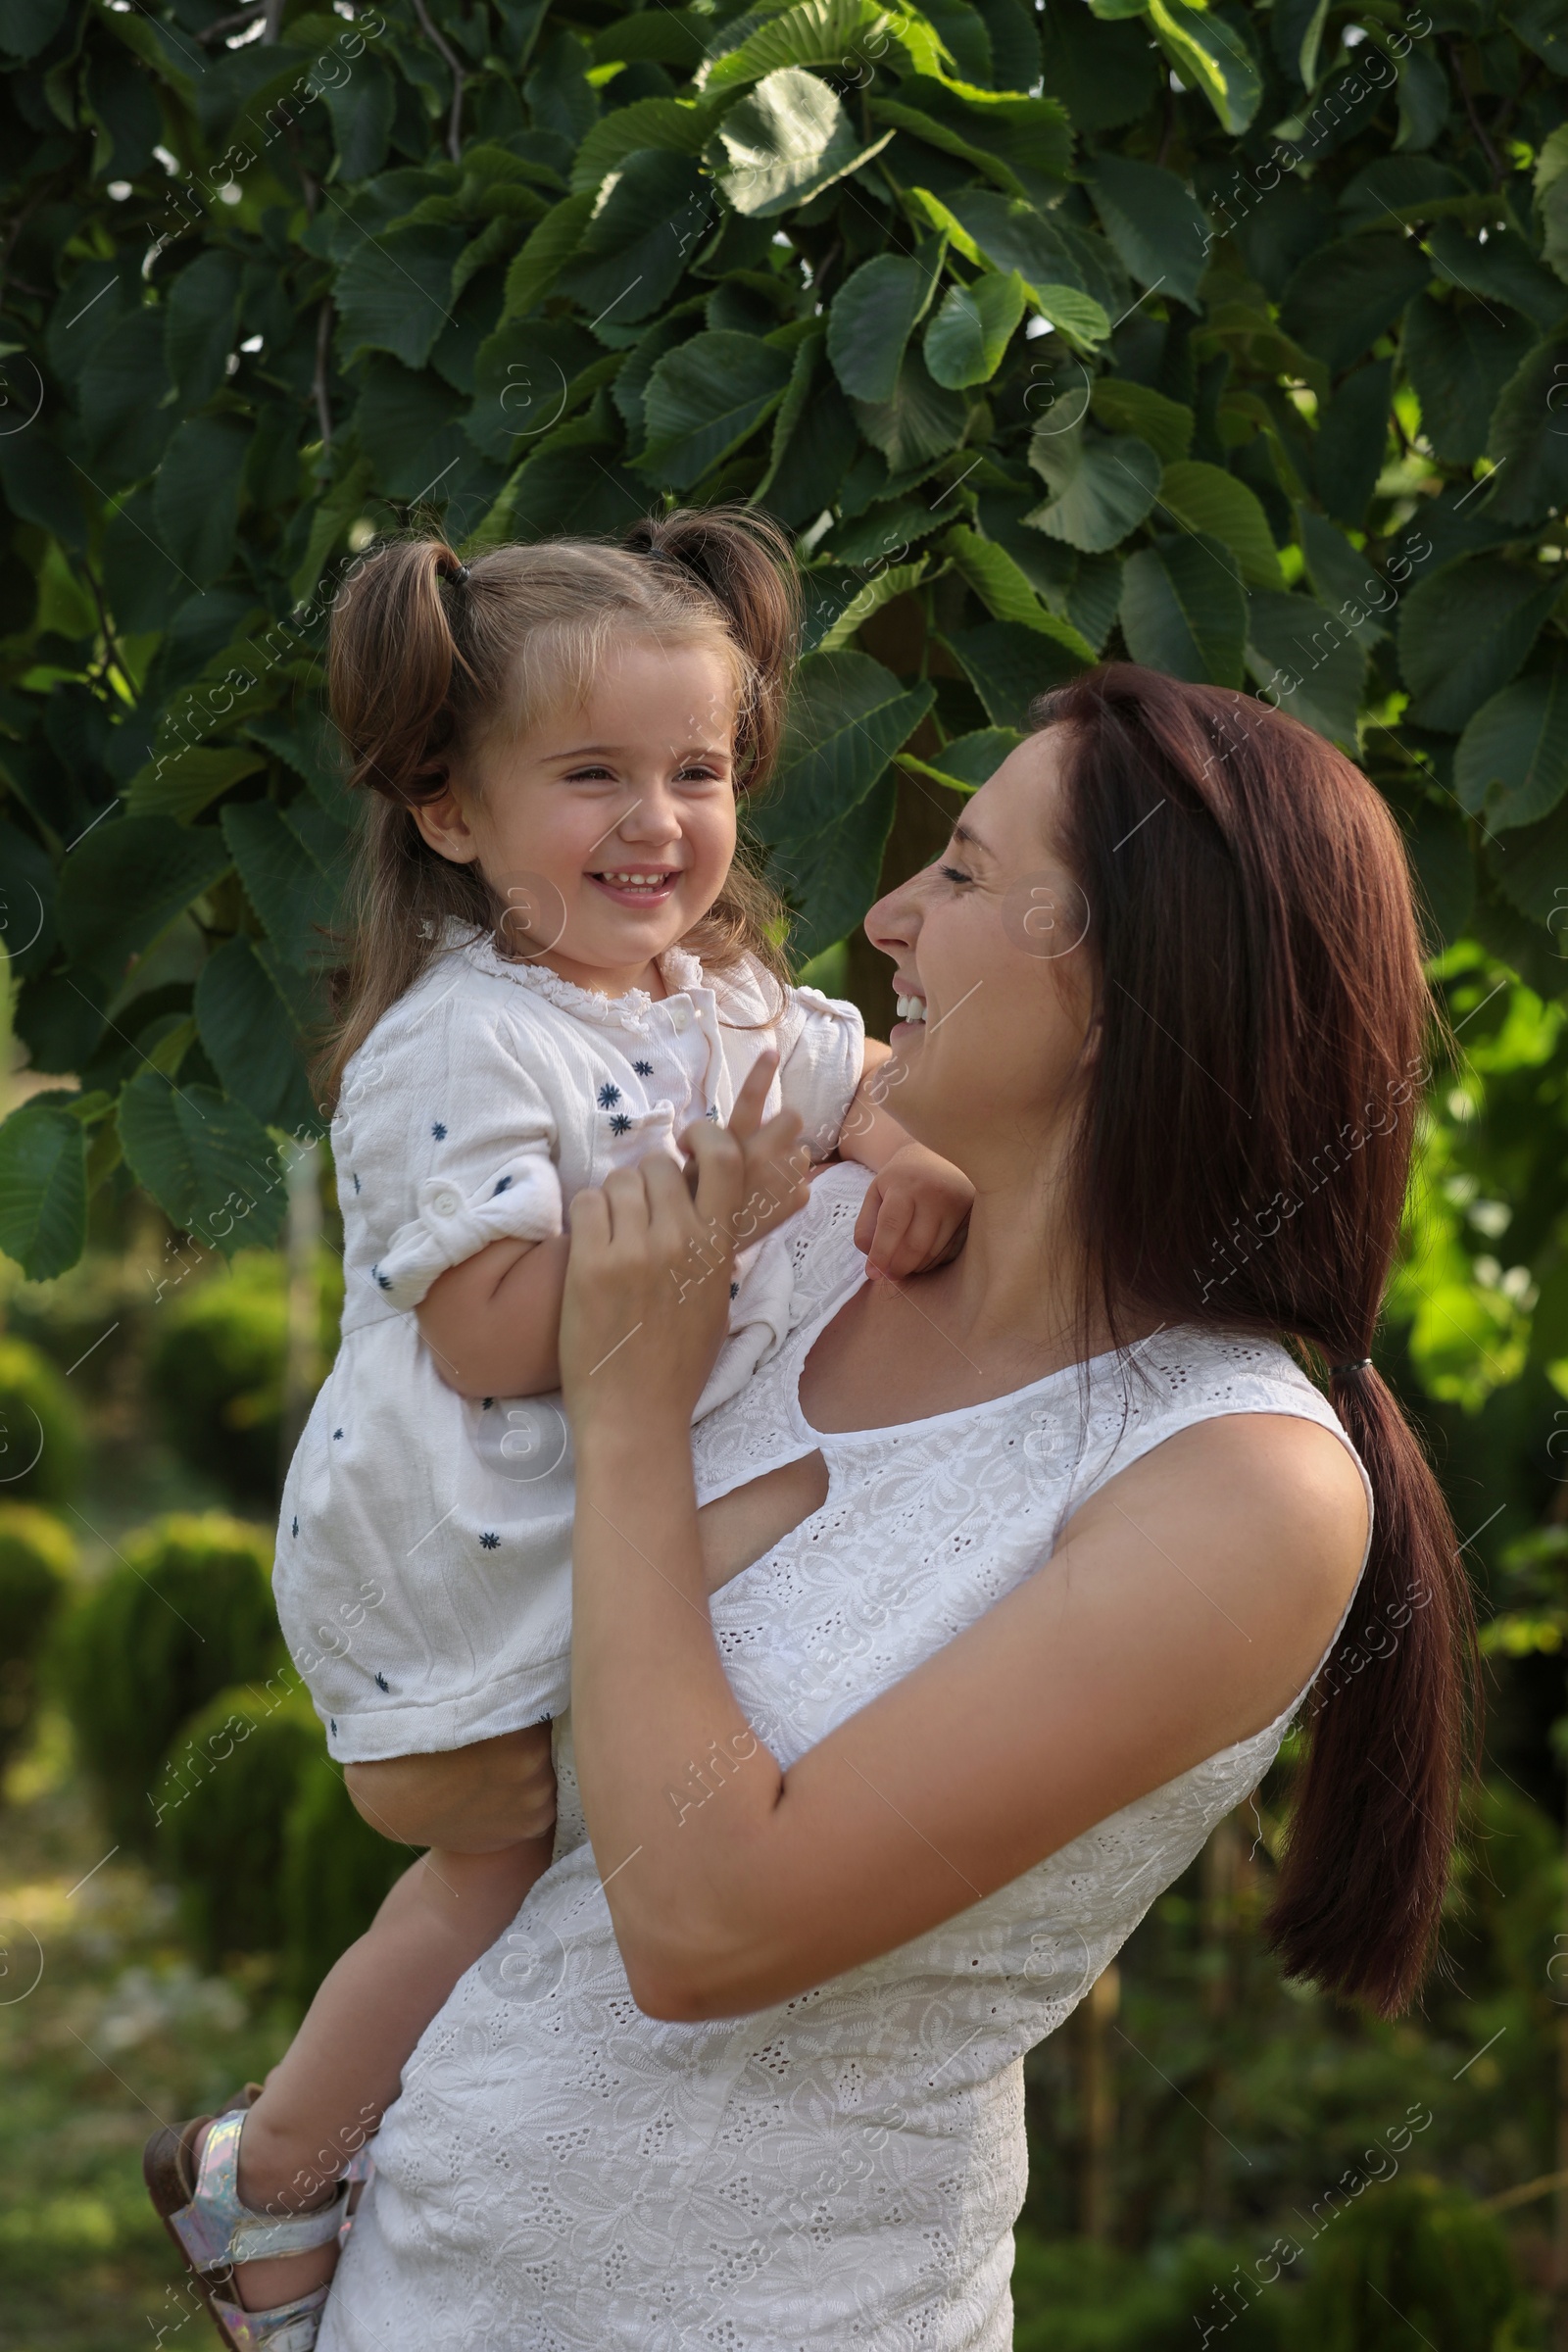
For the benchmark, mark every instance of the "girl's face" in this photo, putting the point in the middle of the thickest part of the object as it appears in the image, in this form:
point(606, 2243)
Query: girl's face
point(992, 950)
point(610, 827)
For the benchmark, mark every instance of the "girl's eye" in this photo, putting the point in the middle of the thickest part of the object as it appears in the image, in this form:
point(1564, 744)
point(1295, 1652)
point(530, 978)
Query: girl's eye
point(588, 775)
point(954, 874)
point(699, 774)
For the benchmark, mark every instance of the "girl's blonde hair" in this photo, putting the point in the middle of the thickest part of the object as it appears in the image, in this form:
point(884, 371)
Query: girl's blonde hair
point(428, 655)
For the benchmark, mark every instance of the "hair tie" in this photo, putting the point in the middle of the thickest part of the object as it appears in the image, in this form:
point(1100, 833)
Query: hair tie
point(460, 577)
point(1343, 1371)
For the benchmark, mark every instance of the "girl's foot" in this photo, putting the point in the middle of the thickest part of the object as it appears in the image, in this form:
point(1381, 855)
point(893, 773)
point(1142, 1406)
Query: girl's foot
point(234, 2254)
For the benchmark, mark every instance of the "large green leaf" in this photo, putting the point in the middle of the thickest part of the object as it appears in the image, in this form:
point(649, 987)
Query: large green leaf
point(646, 123)
point(1206, 499)
point(785, 141)
point(848, 717)
point(874, 315)
point(1183, 609)
point(1464, 631)
point(394, 290)
point(1008, 666)
point(43, 1189)
point(833, 875)
point(1209, 55)
point(127, 879)
point(920, 421)
point(816, 32)
point(183, 780)
point(290, 888)
point(705, 398)
point(1511, 767)
point(199, 324)
point(1459, 356)
point(1306, 661)
point(196, 498)
point(254, 1053)
point(1126, 407)
point(632, 252)
point(966, 341)
point(1102, 486)
point(1154, 222)
point(1530, 437)
point(1344, 297)
point(1004, 588)
point(206, 1161)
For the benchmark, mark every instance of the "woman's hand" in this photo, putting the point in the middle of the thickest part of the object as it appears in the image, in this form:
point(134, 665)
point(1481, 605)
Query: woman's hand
point(647, 1295)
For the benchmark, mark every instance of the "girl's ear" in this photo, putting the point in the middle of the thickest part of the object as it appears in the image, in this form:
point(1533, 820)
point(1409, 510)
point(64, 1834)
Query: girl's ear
point(444, 827)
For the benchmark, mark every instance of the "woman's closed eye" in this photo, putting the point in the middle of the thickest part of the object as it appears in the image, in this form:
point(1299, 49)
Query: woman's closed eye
point(954, 874)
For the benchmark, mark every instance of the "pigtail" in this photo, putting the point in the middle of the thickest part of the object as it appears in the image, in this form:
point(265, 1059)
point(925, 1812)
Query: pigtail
point(392, 660)
point(744, 562)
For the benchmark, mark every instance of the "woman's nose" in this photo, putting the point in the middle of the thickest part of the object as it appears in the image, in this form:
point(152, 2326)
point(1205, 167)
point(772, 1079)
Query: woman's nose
point(894, 922)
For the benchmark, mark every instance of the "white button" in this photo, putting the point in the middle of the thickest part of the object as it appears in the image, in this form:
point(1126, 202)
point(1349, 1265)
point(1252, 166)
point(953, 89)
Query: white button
point(445, 1204)
point(680, 1012)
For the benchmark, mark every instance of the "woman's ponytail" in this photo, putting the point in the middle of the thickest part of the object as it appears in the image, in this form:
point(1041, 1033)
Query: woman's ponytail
point(392, 658)
point(1375, 1806)
point(743, 561)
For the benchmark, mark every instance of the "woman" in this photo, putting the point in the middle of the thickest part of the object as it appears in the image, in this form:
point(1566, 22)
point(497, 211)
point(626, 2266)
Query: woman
point(894, 1709)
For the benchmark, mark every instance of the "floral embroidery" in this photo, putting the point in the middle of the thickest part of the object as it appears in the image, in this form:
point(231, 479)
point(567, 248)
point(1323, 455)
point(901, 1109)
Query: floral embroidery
point(620, 1124)
point(644, 1069)
point(505, 1186)
point(609, 1095)
point(356, 1181)
point(440, 1132)
point(381, 1683)
point(295, 1529)
point(489, 1542)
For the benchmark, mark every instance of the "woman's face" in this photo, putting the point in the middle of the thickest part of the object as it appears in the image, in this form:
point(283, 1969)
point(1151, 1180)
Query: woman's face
point(993, 955)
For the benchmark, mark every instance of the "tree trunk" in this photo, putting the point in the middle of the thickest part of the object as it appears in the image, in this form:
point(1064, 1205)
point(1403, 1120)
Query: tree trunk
point(1097, 2104)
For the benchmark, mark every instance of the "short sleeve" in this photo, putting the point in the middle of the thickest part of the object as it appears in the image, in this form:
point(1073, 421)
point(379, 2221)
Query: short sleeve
point(481, 1151)
point(823, 1041)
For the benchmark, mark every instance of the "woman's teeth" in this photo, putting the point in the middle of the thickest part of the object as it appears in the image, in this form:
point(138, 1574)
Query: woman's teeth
point(910, 1009)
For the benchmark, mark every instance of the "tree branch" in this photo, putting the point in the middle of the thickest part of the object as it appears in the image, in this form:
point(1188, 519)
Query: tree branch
point(324, 343)
point(455, 68)
point(1475, 123)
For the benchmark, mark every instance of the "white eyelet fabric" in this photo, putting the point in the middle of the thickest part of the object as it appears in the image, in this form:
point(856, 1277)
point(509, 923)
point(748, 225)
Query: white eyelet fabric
point(423, 1564)
point(562, 2174)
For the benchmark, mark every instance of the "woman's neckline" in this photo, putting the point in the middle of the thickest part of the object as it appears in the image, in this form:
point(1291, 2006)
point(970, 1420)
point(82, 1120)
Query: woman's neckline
point(1085, 1369)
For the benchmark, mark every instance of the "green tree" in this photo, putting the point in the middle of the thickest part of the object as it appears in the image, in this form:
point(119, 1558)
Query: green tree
point(1233, 337)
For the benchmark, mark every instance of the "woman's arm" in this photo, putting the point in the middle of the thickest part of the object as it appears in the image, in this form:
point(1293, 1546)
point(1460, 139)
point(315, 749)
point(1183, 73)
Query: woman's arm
point(1149, 1642)
point(491, 1322)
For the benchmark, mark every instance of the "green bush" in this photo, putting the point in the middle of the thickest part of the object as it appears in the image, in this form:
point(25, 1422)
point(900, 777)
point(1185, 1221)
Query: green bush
point(1413, 2262)
point(41, 1428)
point(217, 1369)
point(222, 1801)
point(37, 1556)
point(1073, 2296)
point(186, 1612)
point(336, 1870)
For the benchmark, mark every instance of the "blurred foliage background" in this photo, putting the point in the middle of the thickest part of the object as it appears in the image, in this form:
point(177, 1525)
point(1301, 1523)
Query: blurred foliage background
point(1231, 337)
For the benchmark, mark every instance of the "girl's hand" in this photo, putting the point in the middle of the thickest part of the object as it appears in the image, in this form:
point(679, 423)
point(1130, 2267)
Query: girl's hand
point(647, 1297)
point(913, 1216)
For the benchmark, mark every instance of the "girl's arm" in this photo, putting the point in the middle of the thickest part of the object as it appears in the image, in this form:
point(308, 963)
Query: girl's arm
point(492, 1323)
point(913, 1214)
point(1149, 1643)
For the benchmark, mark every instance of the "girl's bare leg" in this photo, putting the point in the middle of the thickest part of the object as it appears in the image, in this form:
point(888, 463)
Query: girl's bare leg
point(342, 2070)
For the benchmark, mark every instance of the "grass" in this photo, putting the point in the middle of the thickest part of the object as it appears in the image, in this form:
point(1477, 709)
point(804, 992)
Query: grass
point(106, 2031)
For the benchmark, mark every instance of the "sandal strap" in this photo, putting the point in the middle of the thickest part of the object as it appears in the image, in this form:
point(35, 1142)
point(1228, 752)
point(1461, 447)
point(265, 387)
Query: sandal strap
point(287, 2328)
point(217, 2230)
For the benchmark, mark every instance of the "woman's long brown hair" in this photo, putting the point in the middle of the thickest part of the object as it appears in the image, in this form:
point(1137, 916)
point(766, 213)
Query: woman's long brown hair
point(1243, 1163)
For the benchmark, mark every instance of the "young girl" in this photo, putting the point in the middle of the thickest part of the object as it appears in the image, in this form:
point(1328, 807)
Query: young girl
point(558, 965)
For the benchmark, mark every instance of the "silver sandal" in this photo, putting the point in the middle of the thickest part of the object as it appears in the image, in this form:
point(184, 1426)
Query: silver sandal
point(200, 2207)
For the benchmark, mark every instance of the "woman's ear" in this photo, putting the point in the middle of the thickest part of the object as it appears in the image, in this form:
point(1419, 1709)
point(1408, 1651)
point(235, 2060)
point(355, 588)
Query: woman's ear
point(444, 827)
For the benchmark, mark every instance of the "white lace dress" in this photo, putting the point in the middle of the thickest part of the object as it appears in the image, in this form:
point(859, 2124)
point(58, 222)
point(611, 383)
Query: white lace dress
point(562, 2174)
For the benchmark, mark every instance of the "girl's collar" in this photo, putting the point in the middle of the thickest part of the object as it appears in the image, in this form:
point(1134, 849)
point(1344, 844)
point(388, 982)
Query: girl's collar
point(682, 974)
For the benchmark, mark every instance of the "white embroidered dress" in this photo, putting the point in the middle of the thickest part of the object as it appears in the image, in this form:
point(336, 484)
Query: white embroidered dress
point(562, 2174)
point(423, 1565)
